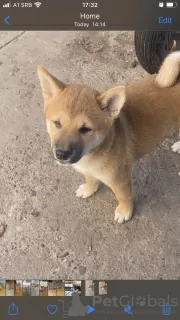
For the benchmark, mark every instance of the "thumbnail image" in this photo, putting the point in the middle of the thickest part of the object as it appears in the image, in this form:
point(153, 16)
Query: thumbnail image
point(71, 287)
point(2, 288)
point(102, 287)
point(56, 288)
point(89, 288)
point(18, 288)
point(10, 287)
point(43, 288)
point(27, 288)
point(60, 290)
point(77, 286)
point(34, 288)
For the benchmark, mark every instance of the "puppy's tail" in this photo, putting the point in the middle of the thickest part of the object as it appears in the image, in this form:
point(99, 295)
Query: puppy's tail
point(169, 71)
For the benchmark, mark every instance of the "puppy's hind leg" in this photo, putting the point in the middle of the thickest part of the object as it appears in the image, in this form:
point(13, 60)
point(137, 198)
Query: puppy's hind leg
point(87, 189)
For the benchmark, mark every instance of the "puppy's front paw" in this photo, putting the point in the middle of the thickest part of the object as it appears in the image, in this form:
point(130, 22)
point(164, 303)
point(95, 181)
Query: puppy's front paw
point(176, 147)
point(84, 191)
point(123, 214)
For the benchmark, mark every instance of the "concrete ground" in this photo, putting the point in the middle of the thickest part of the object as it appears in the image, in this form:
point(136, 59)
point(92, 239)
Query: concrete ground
point(45, 231)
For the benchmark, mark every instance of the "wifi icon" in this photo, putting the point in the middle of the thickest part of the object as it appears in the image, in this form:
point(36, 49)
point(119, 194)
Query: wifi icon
point(37, 4)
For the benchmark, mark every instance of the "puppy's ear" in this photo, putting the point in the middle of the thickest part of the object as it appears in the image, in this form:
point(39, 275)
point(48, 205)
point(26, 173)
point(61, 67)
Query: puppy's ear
point(51, 86)
point(113, 100)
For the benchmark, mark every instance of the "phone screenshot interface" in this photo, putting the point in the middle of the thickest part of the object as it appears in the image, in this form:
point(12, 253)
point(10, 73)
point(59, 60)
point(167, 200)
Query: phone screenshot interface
point(89, 159)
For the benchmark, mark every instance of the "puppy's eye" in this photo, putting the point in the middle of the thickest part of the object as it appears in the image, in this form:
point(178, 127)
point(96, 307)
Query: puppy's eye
point(84, 130)
point(57, 124)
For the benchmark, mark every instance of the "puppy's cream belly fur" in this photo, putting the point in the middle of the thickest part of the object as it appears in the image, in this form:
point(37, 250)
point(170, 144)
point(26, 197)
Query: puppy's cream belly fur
point(121, 214)
point(93, 169)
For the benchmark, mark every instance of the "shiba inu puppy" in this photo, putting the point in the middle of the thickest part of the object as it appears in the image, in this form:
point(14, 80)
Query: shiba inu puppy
point(102, 134)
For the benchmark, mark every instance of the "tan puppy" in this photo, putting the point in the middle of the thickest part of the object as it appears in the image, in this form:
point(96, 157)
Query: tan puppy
point(102, 135)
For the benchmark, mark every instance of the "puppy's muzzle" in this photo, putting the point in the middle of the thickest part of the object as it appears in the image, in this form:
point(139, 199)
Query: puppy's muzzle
point(72, 154)
point(63, 155)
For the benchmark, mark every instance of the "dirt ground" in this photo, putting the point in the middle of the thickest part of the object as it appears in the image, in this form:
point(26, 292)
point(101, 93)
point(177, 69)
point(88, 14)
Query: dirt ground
point(45, 231)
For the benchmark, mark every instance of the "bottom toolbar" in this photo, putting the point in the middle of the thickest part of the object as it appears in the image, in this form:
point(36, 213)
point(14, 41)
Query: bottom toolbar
point(24, 299)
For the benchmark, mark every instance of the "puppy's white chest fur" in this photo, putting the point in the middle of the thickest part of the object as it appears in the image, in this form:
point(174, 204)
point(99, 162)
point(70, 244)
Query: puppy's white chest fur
point(91, 167)
point(86, 166)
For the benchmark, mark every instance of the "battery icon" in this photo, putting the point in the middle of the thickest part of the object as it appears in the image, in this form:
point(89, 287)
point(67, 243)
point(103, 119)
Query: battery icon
point(171, 4)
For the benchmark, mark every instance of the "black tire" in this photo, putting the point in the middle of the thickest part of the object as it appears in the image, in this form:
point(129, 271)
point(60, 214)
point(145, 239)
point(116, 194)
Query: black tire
point(151, 48)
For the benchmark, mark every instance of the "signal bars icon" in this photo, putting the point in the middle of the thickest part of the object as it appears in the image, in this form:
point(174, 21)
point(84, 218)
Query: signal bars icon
point(7, 5)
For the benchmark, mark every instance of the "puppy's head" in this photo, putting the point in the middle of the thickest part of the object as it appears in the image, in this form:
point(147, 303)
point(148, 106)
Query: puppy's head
point(78, 117)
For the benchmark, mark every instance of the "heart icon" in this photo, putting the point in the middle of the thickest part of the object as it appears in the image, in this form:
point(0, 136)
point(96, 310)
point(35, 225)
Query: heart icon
point(52, 308)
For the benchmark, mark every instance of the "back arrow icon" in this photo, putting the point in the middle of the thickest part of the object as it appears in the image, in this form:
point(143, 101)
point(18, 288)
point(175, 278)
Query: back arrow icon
point(6, 20)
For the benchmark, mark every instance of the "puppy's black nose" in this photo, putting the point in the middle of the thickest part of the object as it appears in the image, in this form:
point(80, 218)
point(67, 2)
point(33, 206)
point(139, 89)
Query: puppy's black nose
point(63, 154)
